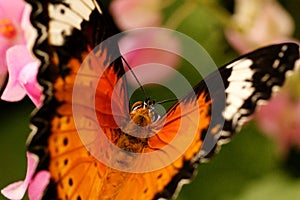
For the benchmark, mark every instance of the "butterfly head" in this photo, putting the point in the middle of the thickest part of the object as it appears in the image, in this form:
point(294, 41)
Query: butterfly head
point(143, 113)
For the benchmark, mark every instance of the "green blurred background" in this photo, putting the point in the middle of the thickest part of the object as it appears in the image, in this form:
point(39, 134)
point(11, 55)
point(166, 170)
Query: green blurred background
point(248, 168)
point(14, 120)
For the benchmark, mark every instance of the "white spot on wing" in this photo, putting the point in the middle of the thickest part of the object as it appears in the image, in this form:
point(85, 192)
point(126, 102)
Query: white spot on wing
point(281, 54)
point(241, 75)
point(276, 63)
point(57, 32)
point(289, 73)
point(89, 3)
point(65, 18)
point(240, 64)
point(282, 68)
point(64, 14)
point(256, 97)
point(79, 7)
point(97, 6)
point(284, 48)
point(261, 102)
point(239, 88)
point(265, 77)
point(226, 133)
point(275, 88)
point(223, 141)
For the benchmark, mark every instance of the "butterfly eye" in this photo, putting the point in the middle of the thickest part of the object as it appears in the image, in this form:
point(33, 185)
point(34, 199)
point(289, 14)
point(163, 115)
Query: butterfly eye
point(155, 116)
point(137, 105)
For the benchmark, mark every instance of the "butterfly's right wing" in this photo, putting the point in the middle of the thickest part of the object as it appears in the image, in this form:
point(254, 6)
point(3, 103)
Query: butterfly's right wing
point(208, 116)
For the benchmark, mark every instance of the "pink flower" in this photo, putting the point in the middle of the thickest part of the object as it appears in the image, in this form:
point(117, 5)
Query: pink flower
point(280, 118)
point(23, 69)
point(15, 27)
point(36, 183)
point(10, 16)
point(259, 23)
point(129, 14)
point(146, 49)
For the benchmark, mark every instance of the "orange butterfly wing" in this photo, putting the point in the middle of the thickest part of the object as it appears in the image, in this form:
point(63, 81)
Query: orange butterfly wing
point(71, 166)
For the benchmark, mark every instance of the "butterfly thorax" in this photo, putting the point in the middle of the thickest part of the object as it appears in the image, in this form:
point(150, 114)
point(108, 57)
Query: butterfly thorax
point(141, 114)
point(136, 131)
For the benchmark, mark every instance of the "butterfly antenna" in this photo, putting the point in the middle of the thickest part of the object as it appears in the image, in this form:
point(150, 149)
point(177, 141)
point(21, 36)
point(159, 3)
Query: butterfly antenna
point(137, 80)
point(166, 101)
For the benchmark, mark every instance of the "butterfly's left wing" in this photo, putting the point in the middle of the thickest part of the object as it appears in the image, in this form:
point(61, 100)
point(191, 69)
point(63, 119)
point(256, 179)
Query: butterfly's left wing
point(208, 116)
point(68, 31)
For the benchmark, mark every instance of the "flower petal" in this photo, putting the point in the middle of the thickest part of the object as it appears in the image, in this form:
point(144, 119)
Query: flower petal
point(23, 71)
point(29, 82)
point(17, 56)
point(12, 9)
point(38, 185)
point(30, 33)
point(17, 190)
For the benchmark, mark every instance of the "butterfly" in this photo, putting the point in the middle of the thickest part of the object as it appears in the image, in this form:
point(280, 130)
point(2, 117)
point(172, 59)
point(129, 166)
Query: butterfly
point(129, 153)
